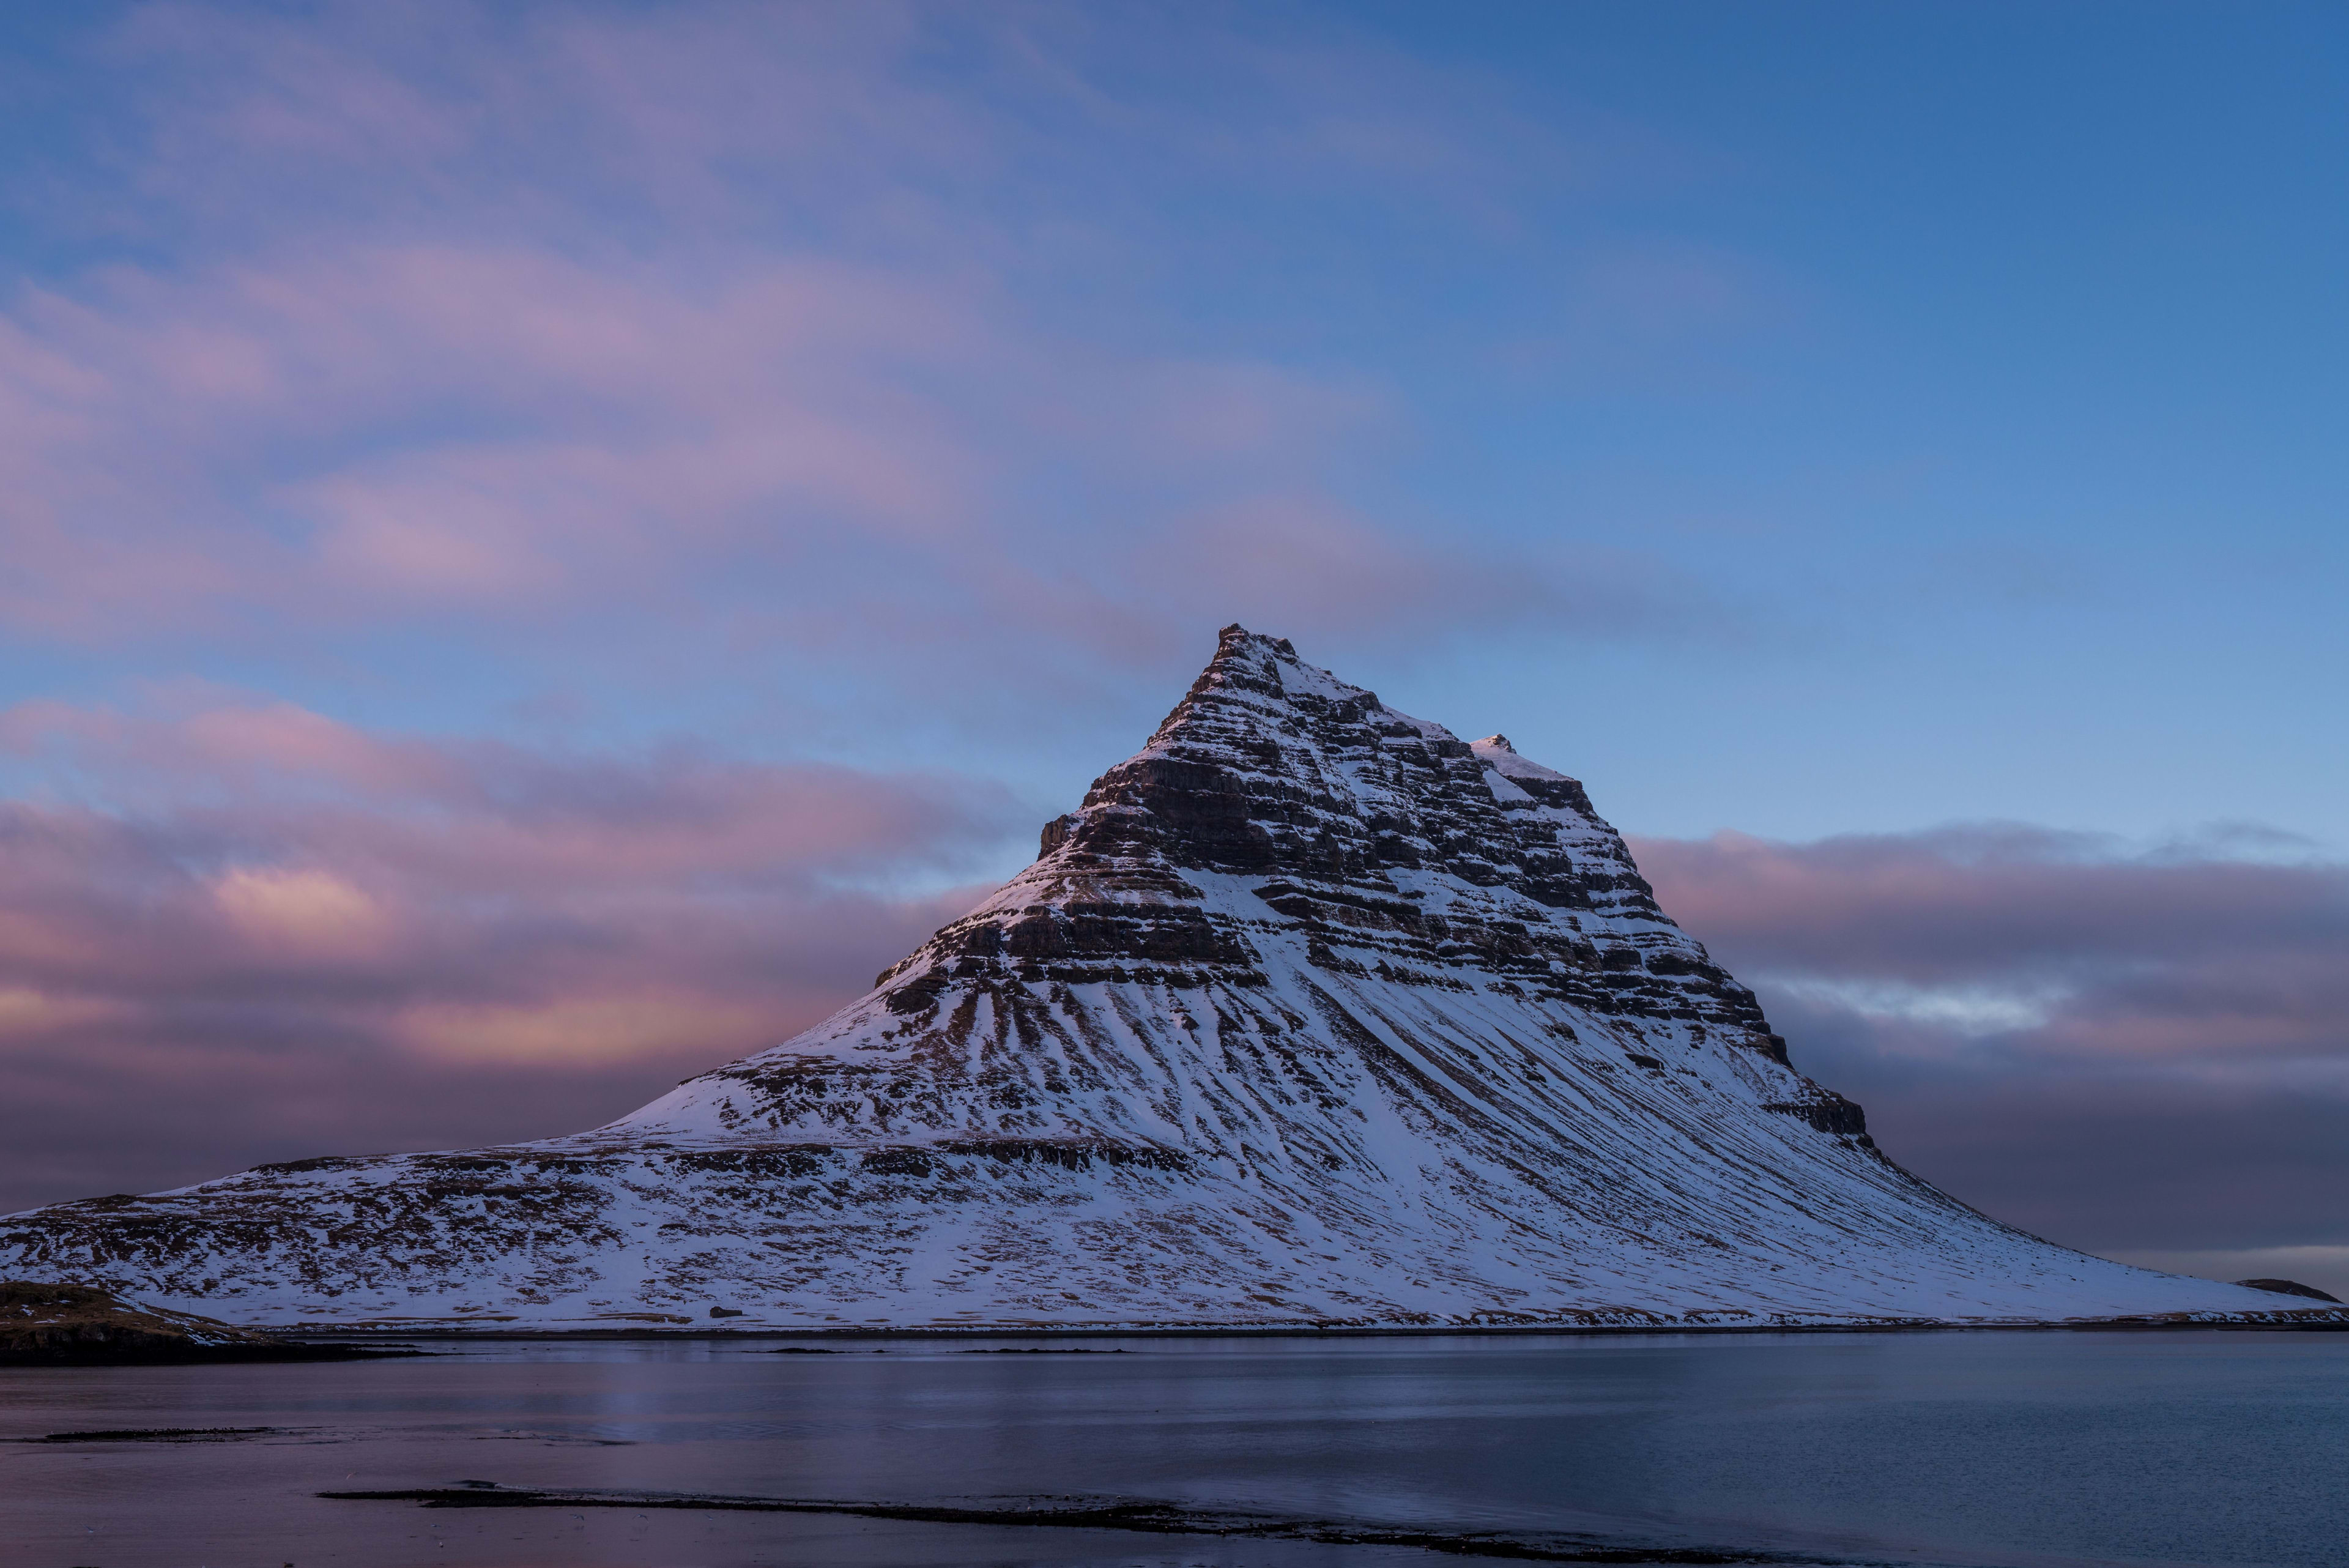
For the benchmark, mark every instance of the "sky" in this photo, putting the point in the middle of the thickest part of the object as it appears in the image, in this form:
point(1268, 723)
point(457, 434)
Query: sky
point(541, 546)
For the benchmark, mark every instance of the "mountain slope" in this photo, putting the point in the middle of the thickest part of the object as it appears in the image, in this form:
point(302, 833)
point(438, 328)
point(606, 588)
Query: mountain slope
point(1310, 1012)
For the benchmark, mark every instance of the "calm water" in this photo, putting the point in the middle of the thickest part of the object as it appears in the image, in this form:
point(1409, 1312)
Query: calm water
point(2010, 1449)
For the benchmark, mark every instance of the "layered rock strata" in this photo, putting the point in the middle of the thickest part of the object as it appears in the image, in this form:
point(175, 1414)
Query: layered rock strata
point(1311, 1012)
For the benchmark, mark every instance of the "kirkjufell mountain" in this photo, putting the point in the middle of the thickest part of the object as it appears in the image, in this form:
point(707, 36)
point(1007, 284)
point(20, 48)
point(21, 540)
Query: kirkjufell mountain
point(1312, 1013)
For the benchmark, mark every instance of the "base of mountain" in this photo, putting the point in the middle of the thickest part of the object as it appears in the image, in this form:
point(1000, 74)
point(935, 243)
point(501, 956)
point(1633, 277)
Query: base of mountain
point(82, 1325)
point(43, 1324)
point(651, 1326)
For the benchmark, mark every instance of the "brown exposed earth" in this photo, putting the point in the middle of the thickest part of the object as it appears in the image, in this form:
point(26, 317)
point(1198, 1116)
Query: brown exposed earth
point(81, 1325)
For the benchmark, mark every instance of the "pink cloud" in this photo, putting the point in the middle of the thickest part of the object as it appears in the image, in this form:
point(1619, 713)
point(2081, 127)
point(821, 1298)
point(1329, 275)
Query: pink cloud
point(2071, 943)
point(1982, 902)
point(348, 911)
point(606, 444)
point(509, 317)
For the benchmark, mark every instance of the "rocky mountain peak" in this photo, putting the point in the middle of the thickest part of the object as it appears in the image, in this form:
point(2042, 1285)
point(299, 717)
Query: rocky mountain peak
point(1311, 1012)
point(1378, 838)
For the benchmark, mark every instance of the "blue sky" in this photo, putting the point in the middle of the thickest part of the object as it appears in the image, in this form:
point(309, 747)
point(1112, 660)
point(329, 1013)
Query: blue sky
point(820, 439)
point(1836, 416)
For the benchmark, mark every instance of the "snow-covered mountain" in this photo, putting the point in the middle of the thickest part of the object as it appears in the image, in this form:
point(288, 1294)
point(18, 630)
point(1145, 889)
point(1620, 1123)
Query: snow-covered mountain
point(1311, 1014)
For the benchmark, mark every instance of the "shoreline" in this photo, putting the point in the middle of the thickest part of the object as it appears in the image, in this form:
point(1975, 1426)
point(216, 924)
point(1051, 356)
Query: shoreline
point(2332, 1322)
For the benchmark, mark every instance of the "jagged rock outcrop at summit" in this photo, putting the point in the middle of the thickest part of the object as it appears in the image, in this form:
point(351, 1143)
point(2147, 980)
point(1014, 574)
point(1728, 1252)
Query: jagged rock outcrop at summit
point(1311, 1012)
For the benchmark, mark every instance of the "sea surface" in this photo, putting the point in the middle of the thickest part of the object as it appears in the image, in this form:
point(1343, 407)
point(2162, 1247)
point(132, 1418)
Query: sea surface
point(1958, 1448)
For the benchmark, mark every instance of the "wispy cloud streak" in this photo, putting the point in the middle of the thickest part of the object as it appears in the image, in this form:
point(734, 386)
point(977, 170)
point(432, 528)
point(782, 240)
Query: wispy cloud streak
point(549, 317)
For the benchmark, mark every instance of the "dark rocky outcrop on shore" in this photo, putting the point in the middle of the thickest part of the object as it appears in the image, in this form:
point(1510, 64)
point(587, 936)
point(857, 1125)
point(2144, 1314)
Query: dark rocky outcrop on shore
point(43, 1324)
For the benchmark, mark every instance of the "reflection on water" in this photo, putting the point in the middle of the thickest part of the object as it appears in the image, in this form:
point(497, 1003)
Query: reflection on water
point(2176, 1448)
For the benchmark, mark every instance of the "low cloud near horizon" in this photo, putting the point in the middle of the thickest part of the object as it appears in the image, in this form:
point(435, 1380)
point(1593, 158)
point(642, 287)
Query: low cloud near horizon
point(2140, 1052)
point(321, 940)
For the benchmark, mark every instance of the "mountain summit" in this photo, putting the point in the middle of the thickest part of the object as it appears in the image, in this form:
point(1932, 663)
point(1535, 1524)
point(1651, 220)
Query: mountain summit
point(1311, 1014)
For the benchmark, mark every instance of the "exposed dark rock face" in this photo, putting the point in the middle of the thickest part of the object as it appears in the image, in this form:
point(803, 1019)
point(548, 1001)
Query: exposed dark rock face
point(1310, 1012)
point(1830, 1113)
